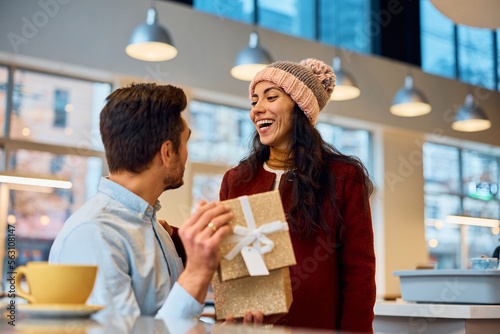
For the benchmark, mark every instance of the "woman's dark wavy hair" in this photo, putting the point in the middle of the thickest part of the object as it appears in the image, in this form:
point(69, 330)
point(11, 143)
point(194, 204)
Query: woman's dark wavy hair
point(313, 181)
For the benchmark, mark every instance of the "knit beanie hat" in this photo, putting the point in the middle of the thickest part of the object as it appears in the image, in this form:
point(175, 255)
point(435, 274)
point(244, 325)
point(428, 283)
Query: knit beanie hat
point(309, 83)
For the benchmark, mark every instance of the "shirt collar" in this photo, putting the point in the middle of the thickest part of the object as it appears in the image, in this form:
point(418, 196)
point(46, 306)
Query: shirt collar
point(127, 198)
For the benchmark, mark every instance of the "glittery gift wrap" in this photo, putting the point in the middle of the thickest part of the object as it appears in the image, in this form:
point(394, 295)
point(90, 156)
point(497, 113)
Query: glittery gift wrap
point(271, 294)
point(266, 208)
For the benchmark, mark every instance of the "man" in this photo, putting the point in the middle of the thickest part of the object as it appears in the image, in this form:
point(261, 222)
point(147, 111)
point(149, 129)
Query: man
point(140, 273)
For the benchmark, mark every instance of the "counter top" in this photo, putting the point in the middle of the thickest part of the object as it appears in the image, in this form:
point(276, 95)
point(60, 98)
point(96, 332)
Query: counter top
point(451, 311)
point(137, 325)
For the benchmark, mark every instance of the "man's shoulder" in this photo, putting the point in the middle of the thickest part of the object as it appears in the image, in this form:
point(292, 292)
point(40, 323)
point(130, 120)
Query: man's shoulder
point(96, 216)
point(95, 208)
point(94, 224)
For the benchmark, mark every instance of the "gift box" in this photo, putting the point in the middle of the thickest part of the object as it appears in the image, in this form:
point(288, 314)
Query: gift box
point(253, 274)
point(258, 220)
point(270, 294)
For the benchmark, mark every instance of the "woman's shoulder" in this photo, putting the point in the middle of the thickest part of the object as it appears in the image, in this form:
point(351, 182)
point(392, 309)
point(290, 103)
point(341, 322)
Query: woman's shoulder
point(341, 168)
point(235, 171)
point(242, 171)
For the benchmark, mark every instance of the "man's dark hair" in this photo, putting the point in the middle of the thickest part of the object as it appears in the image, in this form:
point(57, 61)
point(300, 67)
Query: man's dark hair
point(137, 120)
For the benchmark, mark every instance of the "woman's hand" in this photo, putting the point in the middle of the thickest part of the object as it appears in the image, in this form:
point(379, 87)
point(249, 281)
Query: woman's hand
point(167, 227)
point(256, 319)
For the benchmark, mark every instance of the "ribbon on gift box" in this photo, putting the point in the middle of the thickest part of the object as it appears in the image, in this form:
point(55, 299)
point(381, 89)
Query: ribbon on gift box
point(244, 236)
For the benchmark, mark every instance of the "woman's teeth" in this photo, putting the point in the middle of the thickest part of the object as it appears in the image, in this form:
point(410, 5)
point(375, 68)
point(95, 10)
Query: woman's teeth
point(264, 123)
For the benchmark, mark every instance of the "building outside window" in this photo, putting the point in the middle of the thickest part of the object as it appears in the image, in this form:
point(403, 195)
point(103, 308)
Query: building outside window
point(461, 52)
point(459, 182)
point(4, 77)
point(52, 132)
point(343, 23)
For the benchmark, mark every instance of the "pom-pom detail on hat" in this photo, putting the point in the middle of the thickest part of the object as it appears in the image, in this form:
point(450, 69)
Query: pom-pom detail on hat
point(322, 71)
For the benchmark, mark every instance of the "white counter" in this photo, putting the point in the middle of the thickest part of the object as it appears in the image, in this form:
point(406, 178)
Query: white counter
point(410, 317)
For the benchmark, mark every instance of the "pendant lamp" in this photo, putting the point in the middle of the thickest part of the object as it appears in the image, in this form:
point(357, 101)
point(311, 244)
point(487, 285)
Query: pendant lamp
point(150, 41)
point(409, 101)
point(474, 13)
point(251, 60)
point(345, 85)
point(470, 118)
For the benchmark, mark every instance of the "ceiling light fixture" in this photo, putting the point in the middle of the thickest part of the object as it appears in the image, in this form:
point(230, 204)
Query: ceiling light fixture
point(253, 58)
point(36, 181)
point(477, 13)
point(470, 118)
point(409, 101)
point(150, 41)
point(345, 85)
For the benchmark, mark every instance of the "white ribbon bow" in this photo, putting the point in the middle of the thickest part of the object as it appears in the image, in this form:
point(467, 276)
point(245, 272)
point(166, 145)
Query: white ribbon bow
point(252, 235)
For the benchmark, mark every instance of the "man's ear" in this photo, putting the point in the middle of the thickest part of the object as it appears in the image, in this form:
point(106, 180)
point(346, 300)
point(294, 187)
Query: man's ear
point(167, 153)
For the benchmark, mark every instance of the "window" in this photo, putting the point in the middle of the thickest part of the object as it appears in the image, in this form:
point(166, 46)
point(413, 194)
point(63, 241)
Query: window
point(353, 142)
point(53, 132)
point(220, 134)
point(206, 187)
point(446, 49)
point(346, 24)
point(459, 182)
point(4, 74)
point(343, 23)
point(220, 138)
point(475, 56)
point(60, 103)
point(40, 212)
point(52, 109)
point(241, 10)
point(437, 41)
point(292, 17)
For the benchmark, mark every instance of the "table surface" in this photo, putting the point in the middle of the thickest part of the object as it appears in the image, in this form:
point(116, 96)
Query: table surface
point(428, 310)
point(134, 325)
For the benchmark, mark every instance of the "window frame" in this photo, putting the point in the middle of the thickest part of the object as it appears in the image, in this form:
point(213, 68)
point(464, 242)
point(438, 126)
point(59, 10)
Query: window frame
point(461, 195)
point(7, 144)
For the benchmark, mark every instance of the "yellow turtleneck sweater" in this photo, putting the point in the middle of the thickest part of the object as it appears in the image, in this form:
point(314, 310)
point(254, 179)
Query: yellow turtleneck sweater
point(279, 159)
point(279, 163)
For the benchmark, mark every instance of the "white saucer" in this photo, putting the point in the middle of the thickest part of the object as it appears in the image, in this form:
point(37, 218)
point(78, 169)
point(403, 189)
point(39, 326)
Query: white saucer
point(59, 310)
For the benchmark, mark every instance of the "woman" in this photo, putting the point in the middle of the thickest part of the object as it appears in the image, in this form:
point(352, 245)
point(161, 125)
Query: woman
point(324, 194)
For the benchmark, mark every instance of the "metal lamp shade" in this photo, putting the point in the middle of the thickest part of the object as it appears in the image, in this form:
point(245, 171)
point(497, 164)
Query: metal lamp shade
point(345, 85)
point(409, 101)
point(150, 41)
point(470, 118)
point(474, 13)
point(250, 60)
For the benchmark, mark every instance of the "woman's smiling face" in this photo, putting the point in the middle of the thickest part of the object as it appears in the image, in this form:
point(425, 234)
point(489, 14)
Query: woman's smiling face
point(271, 114)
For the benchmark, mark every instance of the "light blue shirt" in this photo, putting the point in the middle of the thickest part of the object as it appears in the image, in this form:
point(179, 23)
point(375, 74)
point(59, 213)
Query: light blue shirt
point(138, 264)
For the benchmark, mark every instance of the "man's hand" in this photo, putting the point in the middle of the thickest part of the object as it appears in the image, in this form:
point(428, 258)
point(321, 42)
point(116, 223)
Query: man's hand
point(201, 235)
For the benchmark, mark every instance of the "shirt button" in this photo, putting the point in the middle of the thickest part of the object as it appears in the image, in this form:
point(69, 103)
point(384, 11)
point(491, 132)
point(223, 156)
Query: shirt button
point(139, 215)
point(148, 209)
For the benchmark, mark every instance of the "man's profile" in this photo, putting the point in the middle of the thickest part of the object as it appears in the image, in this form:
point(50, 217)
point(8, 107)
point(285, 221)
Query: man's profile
point(140, 272)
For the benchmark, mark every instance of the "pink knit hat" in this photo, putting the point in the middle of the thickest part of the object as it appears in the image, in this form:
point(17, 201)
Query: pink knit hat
point(310, 83)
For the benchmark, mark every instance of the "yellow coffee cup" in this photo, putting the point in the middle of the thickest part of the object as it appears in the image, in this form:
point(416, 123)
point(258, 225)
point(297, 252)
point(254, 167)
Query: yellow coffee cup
point(56, 283)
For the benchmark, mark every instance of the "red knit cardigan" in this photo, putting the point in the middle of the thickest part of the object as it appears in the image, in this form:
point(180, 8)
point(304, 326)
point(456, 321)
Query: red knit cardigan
point(333, 282)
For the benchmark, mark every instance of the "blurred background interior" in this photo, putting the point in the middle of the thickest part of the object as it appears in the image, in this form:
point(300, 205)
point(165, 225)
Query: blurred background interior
point(59, 59)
